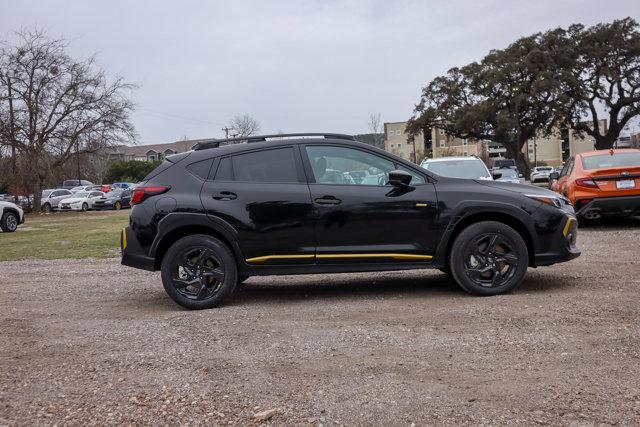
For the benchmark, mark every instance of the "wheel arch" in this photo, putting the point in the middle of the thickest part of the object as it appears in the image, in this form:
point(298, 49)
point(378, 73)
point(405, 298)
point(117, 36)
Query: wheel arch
point(491, 215)
point(176, 226)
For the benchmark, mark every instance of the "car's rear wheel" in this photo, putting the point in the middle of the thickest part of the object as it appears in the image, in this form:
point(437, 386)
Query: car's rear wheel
point(85, 207)
point(117, 206)
point(199, 272)
point(488, 258)
point(9, 222)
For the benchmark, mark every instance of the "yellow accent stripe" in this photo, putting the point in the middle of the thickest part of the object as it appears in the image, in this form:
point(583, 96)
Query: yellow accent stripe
point(124, 238)
point(567, 226)
point(270, 257)
point(421, 205)
point(336, 256)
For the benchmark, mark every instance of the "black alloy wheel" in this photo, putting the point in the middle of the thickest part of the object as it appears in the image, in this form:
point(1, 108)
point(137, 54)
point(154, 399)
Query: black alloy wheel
point(199, 272)
point(488, 258)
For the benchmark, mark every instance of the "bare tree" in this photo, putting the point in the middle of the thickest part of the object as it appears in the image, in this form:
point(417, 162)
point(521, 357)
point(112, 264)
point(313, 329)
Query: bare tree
point(54, 108)
point(376, 128)
point(244, 125)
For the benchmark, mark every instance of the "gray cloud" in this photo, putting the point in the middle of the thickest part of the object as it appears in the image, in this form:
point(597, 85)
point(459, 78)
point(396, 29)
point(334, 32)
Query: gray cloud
point(293, 65)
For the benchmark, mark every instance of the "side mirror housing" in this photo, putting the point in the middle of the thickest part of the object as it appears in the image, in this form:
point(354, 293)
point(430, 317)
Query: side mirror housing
point(554, 175)
point(496, 175)
point(399, 178)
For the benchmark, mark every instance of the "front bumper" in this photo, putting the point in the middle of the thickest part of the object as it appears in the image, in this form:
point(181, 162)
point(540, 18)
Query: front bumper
point(132, 253)
point(563, 245)
point(611, 206)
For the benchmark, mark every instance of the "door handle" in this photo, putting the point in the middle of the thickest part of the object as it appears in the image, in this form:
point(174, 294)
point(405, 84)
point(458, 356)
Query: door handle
point(327, 200)
point(225, 195)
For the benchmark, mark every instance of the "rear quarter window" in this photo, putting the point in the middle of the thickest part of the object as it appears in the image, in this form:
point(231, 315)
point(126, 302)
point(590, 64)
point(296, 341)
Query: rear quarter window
point(274, 165)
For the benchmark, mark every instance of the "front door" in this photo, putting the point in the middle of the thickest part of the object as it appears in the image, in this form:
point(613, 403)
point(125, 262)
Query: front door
point(363, 219)
point(263, 195)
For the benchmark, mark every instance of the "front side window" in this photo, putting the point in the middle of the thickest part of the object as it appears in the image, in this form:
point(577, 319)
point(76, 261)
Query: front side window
point(276, 165)
point(348, 166)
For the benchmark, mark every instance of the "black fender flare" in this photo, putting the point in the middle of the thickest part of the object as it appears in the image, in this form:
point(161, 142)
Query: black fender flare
point(176, 220)
point(470, 208)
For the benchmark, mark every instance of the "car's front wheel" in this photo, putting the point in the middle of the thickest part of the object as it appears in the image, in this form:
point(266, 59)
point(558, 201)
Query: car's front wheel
point(9, 222)
point(488, 258)
point(117, 206)
point(85, 207)
point(47, 208)
point(199, 271)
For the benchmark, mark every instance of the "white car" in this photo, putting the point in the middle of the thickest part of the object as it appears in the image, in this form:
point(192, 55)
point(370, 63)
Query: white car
point(458, 167)
point(540, 174)
point(81, 201)
point(11, 215)
point(74, 190)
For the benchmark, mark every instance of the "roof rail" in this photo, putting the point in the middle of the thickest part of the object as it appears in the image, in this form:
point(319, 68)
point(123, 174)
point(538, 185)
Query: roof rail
point(262, 138)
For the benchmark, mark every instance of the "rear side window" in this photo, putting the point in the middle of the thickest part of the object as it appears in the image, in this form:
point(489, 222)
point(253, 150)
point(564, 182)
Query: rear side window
point(277, 165)
point(201, 168)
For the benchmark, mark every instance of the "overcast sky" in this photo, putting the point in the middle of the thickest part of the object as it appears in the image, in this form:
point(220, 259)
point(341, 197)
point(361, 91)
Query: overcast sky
point(295, 66)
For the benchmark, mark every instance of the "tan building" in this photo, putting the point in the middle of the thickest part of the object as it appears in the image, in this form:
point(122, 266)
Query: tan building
point(578, 145)
point(153, 152)
point(396, 142)
point(546, 150)
point(445, 145)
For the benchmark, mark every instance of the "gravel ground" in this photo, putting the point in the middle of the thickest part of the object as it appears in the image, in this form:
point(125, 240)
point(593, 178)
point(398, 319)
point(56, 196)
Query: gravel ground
point(92, 342)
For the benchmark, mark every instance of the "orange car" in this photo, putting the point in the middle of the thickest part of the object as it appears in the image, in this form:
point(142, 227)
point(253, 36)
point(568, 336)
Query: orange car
point(601, 183)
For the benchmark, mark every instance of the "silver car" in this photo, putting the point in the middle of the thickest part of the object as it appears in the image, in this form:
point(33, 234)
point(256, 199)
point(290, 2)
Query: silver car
point(51, 198)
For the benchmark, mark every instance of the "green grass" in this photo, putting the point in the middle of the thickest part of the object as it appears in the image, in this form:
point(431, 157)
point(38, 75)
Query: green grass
point(65, 235)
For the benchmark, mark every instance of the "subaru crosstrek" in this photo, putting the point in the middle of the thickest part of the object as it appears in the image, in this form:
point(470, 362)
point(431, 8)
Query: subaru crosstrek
point(325, 203)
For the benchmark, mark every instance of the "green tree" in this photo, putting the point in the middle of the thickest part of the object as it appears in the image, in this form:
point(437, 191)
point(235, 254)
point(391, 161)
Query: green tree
point(130, 171)
point(600, 77)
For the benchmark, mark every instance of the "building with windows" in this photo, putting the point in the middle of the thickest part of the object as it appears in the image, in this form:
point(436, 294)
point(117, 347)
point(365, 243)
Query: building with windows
point(153, 152)
point(445, 145)
point(396, 141)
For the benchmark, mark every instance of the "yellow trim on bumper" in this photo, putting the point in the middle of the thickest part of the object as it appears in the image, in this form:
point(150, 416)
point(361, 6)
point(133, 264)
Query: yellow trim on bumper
point(567, 226)
point(341, 256)
point(124, 238)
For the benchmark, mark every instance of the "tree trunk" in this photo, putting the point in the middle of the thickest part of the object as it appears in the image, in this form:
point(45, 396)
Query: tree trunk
point(605, 142)
point(514, 151)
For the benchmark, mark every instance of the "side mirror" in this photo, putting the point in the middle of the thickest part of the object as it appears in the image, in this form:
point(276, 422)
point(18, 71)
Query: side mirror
point(399, 178)
point(496, 175)
point(520, 175)
point(554, 175)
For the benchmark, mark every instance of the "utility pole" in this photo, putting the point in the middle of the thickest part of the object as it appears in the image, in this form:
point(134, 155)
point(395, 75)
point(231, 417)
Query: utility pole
point(226, 131)
point(13, 146)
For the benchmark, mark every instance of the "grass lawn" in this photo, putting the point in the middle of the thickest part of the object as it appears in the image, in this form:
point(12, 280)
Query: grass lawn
point(65, 235)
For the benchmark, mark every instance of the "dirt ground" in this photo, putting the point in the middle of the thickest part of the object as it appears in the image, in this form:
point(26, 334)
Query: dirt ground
point(93, 342)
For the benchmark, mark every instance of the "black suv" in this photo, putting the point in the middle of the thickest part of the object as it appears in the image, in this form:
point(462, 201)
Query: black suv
point(325, 203)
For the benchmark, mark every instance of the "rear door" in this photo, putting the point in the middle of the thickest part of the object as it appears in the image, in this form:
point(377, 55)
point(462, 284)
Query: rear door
point(264, 196)
point(368, 220)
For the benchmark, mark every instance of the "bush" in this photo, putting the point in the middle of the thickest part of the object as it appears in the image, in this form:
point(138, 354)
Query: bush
point(131, 171)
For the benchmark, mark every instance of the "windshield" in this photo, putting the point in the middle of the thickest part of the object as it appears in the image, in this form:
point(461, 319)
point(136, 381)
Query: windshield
point(616, 160)
point(81, 194)
point(45, 193)
point(472, 169)
point(507, 173)
point(543, 169)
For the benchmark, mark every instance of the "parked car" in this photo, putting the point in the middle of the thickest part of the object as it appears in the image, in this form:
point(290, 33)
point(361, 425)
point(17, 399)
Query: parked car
point(508, 174)
point(504, 163)
point(11, 215)
point(601, 183)
point(212, 217)
point(51, 198)
point(540, 174)
point(70, 183)
point(458, 167)
point(6, 198)
point(82, 188)
point(122, 185)
point(116, 199)
point(80, 201)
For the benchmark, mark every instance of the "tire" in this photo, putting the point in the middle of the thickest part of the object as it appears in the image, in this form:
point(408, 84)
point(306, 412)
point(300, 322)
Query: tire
point(85, 207)
point(9, 222)
point(185, 272)
point(488, 258)
point(47, 208)
point(117, 206)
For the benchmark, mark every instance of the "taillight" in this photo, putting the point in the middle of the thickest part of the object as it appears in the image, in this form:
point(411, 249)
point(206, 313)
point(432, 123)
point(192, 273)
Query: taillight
point(586, 182)
point(140, 193)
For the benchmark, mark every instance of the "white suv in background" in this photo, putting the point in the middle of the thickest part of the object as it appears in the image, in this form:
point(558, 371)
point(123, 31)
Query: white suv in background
point(11, 215)
point(458, 167)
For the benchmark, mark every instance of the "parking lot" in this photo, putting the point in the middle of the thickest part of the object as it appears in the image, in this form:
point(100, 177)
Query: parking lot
point(92, 342)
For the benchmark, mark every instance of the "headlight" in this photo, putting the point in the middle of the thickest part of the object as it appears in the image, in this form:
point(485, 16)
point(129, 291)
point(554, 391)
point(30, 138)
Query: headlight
point(549, 200)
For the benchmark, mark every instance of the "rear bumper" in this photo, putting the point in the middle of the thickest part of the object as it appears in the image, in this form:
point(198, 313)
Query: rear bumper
point(132, 253)
point(609, 206)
